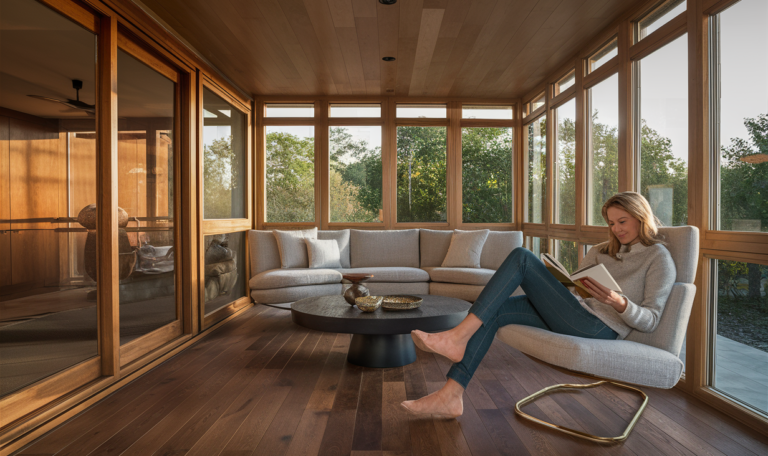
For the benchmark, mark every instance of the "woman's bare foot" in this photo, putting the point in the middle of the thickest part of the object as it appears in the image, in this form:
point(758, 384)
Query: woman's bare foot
point(445, 403)
point(441, 343)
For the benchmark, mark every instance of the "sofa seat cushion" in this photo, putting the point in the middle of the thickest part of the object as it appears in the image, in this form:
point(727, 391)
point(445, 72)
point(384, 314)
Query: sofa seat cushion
point(620, 360)
point(467, 276)
point(284, 278)
point(390, 274)
point(293, 294)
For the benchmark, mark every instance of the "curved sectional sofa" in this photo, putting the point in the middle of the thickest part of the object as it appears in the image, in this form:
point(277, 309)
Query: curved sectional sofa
point(401, 261)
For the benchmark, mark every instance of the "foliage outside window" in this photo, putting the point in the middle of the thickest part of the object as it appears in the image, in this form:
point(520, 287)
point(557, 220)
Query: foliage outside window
point(290, 157)
point(355, 174)
point(223, 159)
point(741, 342)
point(486, 173)
point(742, 118)
point(603, 148)
point(536, 167)
point(566, 253)
point(421, 174)
point(663, 145)
point(564, 179)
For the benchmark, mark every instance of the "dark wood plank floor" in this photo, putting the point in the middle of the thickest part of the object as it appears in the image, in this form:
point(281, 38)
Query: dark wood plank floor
point(261, 385)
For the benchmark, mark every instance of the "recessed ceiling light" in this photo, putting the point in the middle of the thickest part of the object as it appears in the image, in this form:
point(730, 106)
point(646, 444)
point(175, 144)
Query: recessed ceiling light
point(387, 2)
point(388, 59)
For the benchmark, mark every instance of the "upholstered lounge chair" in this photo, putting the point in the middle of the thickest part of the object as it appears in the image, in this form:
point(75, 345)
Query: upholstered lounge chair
point(645, 359)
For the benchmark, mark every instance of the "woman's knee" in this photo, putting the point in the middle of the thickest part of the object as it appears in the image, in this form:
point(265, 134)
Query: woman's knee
point(520, 254)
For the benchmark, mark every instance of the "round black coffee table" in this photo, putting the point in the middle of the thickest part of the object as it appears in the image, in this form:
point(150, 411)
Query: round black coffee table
point(381, 338)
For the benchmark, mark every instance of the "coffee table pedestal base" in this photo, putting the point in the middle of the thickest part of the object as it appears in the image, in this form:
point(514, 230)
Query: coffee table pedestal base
point(379, 350)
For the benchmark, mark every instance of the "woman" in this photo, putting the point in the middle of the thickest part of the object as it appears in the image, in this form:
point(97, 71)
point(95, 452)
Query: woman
point(633, 255)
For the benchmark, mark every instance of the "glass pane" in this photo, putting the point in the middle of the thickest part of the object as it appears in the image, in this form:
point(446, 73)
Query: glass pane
point(564, 183)
point(486, 112)
point(290, 174)
point(486, 175)
point(413, 111)
point(421, 174)
point(565, 83)
point(290, 110)
point(603, 151)
point(538, 102)
point(741, 345)
point(566, 253)
point(605, 54)
point(224, 138)
point(663, 109)
point(145, 108)
point(355, 110)
point(48, 319)
point(658, 17)
point(536, 245)
point(356, 174)
point(743, 117)
point(224, 269)
point(536, 166)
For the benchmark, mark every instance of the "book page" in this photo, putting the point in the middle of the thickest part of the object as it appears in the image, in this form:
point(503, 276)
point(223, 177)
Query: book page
point(600, 275)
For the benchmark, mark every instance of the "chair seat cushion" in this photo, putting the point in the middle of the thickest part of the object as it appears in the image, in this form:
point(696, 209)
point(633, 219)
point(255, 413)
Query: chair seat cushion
point(390, 274)
point(466, 276)
point(619, 360)
point(284, 278)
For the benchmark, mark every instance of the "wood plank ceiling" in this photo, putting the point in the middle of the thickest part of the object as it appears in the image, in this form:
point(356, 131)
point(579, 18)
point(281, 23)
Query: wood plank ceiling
point(456, 48)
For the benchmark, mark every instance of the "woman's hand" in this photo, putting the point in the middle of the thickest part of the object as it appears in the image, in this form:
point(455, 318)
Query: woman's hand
point(605, 295)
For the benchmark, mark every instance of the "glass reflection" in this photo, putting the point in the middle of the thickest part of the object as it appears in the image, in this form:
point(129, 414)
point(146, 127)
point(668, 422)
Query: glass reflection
point(224, 270)
point(47, 175)
point(145, 152)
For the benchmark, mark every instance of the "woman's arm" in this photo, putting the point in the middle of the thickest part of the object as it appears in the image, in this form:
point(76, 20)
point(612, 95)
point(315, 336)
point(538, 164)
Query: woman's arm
point(658, 285)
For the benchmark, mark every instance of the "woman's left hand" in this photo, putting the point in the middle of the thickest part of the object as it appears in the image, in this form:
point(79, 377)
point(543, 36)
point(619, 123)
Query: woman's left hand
point(605, 295)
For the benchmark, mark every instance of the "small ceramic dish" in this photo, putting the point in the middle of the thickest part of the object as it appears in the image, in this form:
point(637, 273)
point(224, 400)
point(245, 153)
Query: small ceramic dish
point(368, 303)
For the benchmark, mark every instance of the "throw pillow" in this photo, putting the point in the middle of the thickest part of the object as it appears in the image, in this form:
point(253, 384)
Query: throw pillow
point(293, 250)
point(465, 250)
point(323, 253)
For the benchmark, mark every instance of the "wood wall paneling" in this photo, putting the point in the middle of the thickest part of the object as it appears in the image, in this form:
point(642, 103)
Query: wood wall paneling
point(5, 205)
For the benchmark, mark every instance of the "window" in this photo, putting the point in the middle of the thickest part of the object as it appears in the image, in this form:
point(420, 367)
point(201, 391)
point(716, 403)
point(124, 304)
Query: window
point(566, 253)
point(538, 102)
point(225, 269)
point(662, 125)
point(224, 164)
point(356, 174)
point(290, 110)
point(423, 111)
point(486, 175)
point(740, 352)
point(536, 245)
point(565, 83)
point(740, 121)
point(486, 112)
point(355, 110)
point(603, 55)
point(290, 157)
point(421, 174)
point(535, 153)
point(564, 178)
point(659, 16)
point(603, 147)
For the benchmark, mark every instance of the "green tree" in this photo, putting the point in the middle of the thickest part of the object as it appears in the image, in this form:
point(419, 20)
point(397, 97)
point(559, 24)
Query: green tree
point(221, 177)
point(290, 175)
point(421, 174)
point(356, 178)
point(603, 167)
point(486, 175)
point(565, 166)
point(660, 168)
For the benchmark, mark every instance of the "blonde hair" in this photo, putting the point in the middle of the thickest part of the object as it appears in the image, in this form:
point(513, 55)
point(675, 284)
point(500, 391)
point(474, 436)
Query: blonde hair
point(637, 206)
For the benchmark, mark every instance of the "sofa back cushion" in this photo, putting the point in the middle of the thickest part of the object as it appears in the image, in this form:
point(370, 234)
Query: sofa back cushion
point(372, 248)
point(293, 250)
point(264, 254)
point(498, 246)
point(434, 246)
point(342, 238)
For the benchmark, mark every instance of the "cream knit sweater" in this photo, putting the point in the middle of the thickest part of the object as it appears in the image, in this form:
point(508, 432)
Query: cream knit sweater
point(646, 275)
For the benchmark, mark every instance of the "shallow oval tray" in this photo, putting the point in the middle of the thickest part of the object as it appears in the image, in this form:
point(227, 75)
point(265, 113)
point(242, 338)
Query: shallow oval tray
point(401, 302)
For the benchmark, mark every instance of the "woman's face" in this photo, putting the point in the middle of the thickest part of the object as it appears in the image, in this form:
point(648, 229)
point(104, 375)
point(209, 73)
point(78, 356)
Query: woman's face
point(625, 227)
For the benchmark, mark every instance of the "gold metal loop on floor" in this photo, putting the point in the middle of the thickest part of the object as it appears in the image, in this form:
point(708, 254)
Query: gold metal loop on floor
point(574, 432)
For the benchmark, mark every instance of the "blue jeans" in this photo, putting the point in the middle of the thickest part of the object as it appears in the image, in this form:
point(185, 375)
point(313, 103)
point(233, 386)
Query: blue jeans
point(547, 304)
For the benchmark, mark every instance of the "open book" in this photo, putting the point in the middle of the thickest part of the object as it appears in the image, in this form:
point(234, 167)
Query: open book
point(597, 272)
